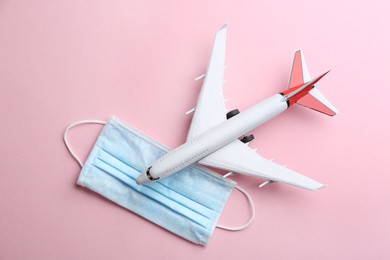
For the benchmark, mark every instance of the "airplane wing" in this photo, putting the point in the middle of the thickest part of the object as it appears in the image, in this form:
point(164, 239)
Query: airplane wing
point(240, 158)
point(210, 108)
point(236, 157)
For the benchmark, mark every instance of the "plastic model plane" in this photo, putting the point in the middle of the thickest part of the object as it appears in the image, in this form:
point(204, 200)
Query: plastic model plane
point(218, 139)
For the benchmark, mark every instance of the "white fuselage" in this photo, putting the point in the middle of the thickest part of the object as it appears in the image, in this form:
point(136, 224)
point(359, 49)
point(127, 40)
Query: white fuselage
point(217, 137)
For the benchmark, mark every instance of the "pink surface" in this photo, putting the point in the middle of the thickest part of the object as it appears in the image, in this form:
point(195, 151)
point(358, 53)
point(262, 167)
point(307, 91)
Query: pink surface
point(63, 61)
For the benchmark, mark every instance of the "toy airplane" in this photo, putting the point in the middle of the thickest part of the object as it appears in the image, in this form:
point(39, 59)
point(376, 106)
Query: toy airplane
point(218, 139)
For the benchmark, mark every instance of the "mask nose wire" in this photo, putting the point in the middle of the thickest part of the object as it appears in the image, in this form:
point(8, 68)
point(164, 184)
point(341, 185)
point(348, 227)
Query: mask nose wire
point(252, 207)
point(81, 122)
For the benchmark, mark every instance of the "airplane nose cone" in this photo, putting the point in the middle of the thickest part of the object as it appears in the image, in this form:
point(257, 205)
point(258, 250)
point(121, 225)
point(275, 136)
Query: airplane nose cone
point(142, 178)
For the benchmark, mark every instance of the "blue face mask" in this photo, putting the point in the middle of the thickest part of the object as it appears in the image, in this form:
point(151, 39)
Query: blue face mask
point(188, 203)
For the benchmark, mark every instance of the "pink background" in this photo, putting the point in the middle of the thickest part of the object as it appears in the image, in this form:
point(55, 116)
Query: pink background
point(63, 61)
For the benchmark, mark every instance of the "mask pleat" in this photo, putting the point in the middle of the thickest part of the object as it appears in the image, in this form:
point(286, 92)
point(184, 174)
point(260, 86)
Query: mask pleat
point(142, 151)
point(191, 210)
point(188, 203)
point(158, 186)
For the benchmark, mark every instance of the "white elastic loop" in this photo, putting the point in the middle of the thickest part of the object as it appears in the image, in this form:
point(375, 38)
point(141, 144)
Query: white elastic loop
point(76, 124)
point(252, 210)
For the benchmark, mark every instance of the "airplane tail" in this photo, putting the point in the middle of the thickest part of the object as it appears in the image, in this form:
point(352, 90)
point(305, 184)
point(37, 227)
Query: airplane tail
point(314, 99)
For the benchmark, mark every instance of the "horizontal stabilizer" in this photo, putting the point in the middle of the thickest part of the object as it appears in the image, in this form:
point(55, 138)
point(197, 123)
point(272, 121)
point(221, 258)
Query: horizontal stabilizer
point(299, 72)
point(316, 101)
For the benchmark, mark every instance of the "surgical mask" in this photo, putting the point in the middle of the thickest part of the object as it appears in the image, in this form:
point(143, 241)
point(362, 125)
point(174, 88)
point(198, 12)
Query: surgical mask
point(188, 203)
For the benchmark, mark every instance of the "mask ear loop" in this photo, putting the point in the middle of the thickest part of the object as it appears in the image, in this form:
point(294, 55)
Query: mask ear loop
point(246, 194)
point(81, 122)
